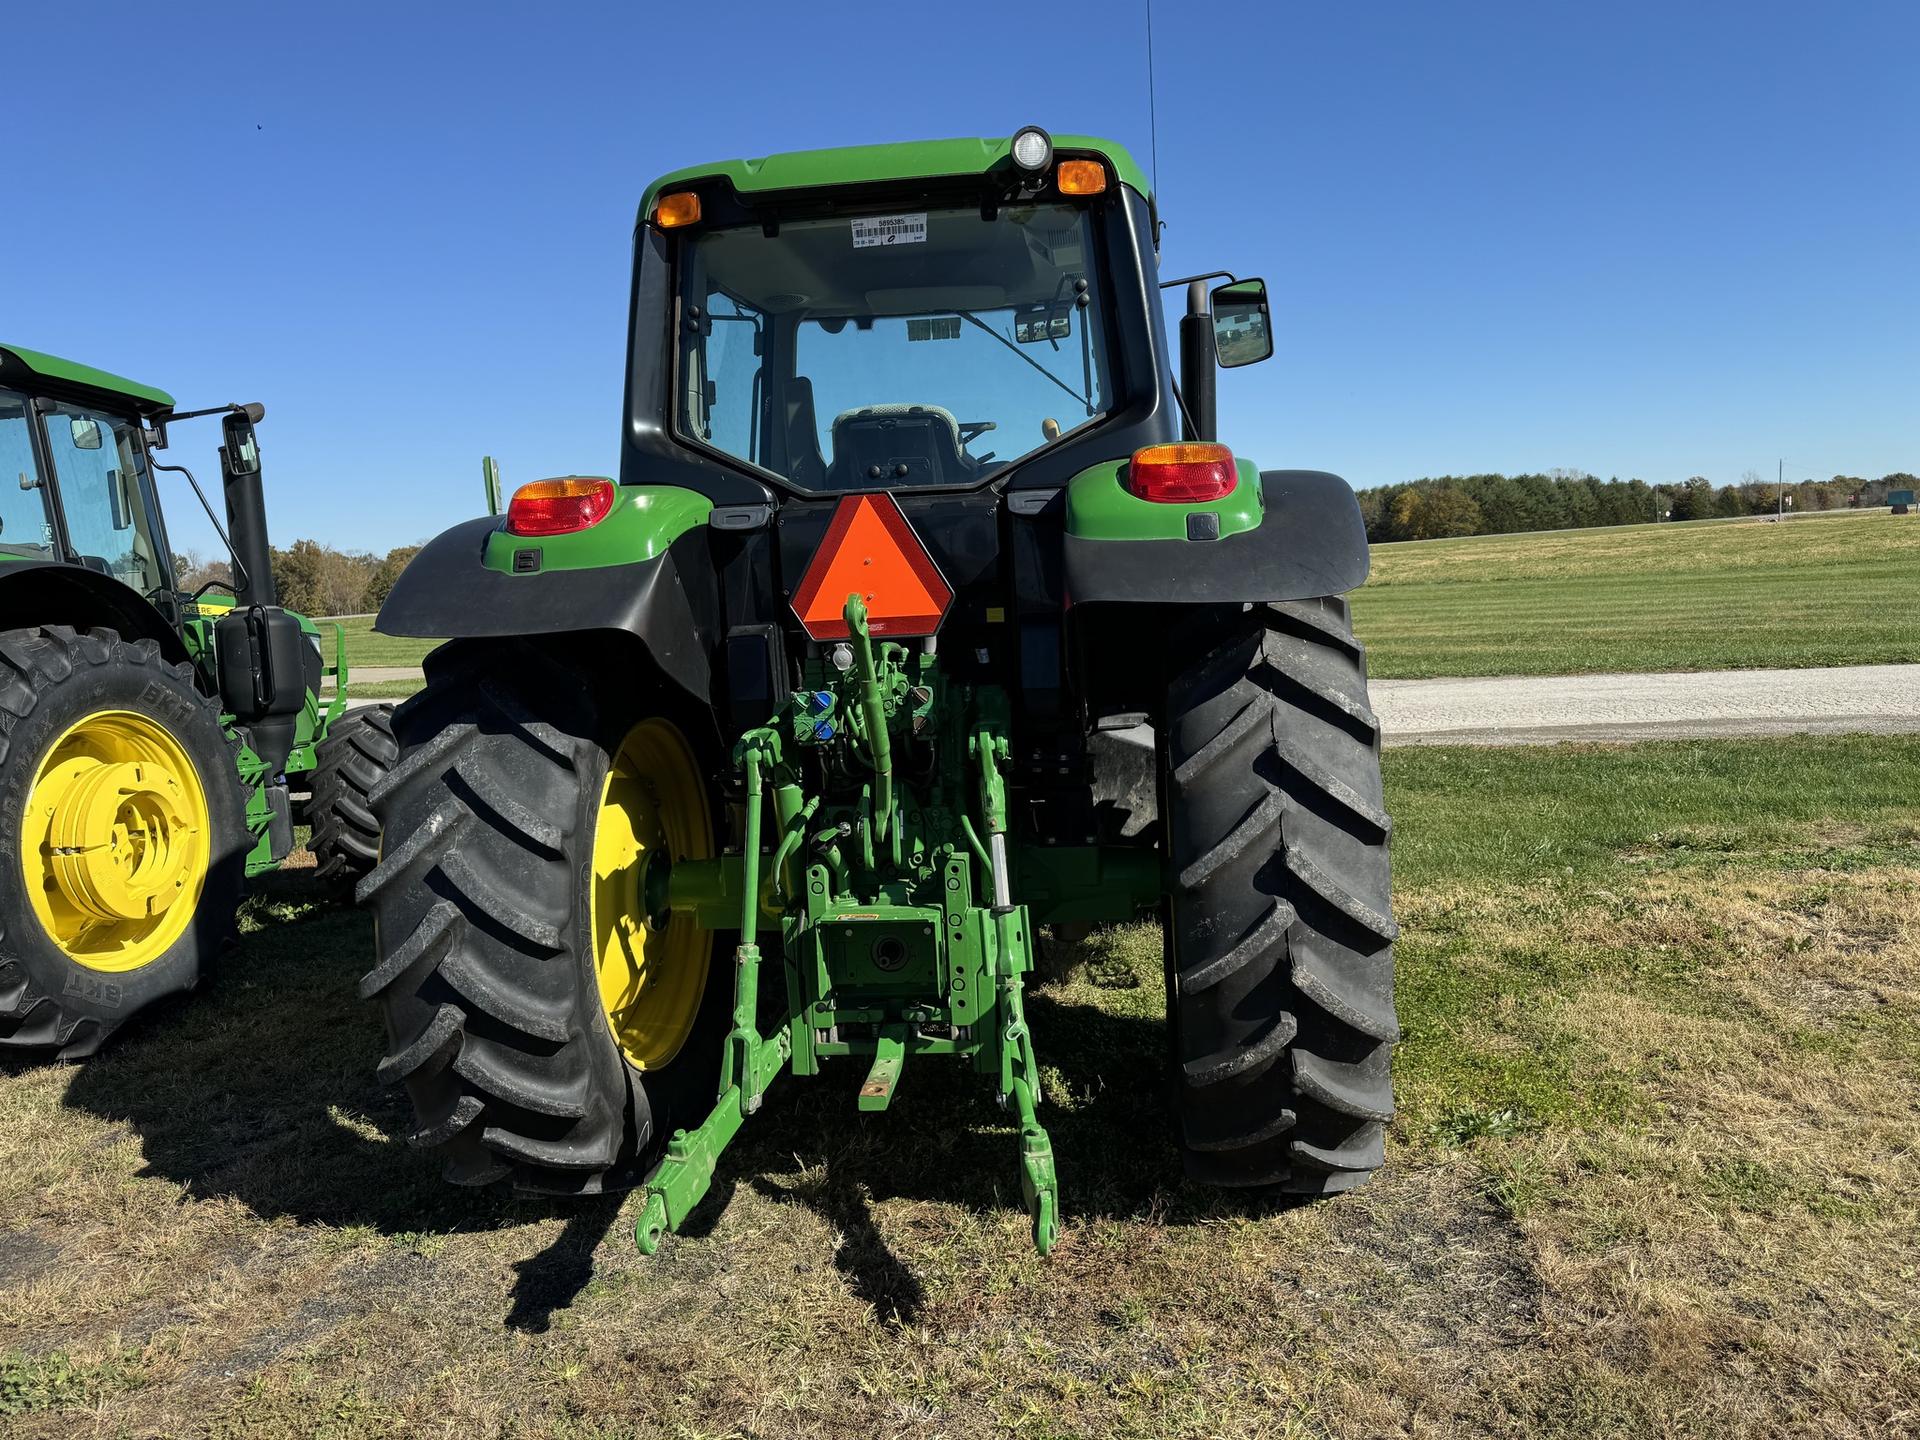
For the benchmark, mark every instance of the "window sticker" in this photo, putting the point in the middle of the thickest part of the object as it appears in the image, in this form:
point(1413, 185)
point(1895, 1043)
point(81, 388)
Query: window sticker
point(890, 230)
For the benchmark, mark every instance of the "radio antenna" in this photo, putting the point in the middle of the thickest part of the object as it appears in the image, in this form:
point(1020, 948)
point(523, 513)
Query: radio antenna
point(1153, 118)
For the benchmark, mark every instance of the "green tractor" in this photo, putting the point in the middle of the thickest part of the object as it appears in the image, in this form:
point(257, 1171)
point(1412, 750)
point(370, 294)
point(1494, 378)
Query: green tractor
point(148, 738)
point(927, 612)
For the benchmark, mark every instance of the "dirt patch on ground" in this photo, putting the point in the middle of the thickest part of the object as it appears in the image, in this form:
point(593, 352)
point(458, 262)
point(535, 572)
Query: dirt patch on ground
point(24, 1255)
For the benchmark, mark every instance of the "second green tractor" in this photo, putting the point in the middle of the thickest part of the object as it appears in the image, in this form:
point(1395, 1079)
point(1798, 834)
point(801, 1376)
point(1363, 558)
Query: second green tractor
point(154, 743)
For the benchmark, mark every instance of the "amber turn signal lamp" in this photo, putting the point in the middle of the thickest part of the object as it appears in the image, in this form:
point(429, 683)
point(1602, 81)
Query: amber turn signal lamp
point(558, 507)
point(1182, 474)
point(1081, 177)
point(682, 207)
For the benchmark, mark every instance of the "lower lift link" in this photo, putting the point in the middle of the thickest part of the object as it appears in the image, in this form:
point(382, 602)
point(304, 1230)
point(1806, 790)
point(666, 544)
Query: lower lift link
point(885, 952)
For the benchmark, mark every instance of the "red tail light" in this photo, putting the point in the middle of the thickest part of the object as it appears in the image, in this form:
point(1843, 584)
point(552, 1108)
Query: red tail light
point(556, 507)
point(1182, 474)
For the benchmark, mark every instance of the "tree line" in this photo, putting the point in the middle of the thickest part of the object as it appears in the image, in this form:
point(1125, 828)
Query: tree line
point(312, 578)
point(1450, 505)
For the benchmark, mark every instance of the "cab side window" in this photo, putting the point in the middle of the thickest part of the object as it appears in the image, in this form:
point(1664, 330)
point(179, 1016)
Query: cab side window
point(730, 406)
point(96, 460)
point(23, 508)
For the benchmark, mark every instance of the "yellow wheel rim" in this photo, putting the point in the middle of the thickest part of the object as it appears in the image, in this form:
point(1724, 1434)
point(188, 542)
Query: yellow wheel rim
point(116, 841)
point(651, 978)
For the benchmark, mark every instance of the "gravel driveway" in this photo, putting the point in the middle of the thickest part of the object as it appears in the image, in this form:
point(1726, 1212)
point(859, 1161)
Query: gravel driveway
point(1539, 710)
point(1523, 710)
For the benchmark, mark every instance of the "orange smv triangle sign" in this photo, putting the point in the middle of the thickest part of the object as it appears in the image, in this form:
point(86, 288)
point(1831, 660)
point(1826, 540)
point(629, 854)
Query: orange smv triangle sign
point(871, 551)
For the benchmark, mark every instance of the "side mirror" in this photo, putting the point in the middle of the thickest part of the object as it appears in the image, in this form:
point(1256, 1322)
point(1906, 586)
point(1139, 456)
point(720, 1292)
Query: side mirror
point(86, 432)
point(1242, 326)
point(241, 452)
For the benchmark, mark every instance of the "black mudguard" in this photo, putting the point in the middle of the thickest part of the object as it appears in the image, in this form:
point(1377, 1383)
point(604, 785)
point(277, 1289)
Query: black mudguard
point(1312, 542)
point(50, 592)
point(446, 593)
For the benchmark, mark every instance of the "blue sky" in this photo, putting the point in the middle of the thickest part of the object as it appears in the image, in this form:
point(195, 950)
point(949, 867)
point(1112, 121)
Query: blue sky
point(1640, 239)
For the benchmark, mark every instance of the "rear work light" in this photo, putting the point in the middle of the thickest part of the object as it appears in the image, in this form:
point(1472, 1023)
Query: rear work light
point(557, 507)
point(1182, 474)
point(1081, 177)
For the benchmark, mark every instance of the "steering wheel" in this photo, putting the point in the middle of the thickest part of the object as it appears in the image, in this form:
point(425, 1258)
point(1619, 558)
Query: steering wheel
point(972, 430)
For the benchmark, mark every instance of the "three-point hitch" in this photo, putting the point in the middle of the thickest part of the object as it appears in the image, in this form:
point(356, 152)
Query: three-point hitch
point(886, 950)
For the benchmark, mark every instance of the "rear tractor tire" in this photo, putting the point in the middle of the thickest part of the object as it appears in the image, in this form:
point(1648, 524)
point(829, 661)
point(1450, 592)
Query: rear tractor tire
point(123, 835)
point(357, 752)
point(1280, 964)
point(546, 1031)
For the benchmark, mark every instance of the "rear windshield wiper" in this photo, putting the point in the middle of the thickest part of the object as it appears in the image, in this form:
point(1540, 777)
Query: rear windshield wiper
point(973, 319)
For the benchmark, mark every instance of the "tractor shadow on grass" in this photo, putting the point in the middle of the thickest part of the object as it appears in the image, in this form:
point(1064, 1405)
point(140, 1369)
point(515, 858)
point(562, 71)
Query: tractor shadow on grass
point(874, 1274)
point(945, 1142)
point(260, 1087)
point(551, 1280)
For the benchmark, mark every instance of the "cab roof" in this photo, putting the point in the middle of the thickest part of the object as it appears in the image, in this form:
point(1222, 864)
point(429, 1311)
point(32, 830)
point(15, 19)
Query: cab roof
point(17, 362)
point(863, 164)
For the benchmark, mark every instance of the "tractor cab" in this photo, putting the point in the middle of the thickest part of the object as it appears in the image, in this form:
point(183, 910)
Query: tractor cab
point(77, 489)
point(916, 318)
point(935, 338)
point(81, 521)
point(81, 443)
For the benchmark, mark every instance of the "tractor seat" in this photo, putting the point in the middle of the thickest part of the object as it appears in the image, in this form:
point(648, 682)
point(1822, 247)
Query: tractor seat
point(886, 445)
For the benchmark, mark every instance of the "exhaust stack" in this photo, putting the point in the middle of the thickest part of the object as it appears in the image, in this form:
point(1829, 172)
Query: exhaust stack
point(246, 506)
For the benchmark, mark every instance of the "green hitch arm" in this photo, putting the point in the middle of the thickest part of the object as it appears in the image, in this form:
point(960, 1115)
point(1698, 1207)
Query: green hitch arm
point(1020, 1083)
point(879, 745)
point(750, 1063)
point(736, 1065)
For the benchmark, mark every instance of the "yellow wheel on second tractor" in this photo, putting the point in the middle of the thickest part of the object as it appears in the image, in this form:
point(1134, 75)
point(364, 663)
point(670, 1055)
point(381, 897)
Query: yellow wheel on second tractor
point(127, 853)
point(115, 841)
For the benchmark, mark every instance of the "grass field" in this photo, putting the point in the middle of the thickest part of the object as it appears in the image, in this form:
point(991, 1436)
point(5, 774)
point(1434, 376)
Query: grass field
point(1655, 1173)
point(1712, 595)
point(366, 649)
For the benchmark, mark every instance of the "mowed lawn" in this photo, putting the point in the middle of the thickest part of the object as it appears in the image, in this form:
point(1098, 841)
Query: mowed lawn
point(1839, 589)
point(1655, 1173)
point(366, 649)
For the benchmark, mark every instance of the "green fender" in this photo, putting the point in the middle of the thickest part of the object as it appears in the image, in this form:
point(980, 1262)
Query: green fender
point(642, 570)
point(1278, 535)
